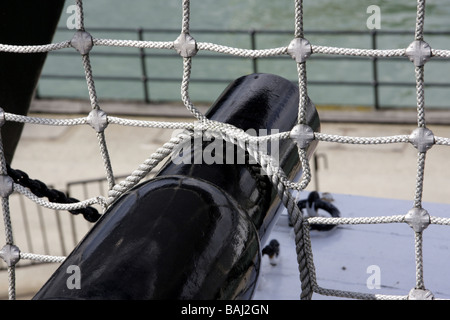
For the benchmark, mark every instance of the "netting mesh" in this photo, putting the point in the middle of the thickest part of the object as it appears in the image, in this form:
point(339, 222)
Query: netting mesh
point(187, 47)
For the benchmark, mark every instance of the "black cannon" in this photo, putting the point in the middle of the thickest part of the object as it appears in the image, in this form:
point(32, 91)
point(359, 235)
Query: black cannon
point(194, 231)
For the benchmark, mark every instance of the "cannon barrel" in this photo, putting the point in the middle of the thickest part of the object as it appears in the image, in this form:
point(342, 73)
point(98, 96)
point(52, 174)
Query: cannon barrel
point(196, 229)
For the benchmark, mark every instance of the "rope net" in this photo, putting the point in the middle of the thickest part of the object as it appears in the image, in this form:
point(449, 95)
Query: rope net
point(187, 47)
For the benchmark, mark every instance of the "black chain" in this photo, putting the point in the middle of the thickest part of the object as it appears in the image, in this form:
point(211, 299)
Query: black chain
point(40, 189)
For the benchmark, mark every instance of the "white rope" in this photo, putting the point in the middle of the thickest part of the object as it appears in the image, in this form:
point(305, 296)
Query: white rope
point(440, 220)
point(442, 141)
point(58, 206)
point(187, 65)
point(106, 159)
point(361, 140)
point(420, 20)
point(357, 220)
point(245, 53)
point(11, 283)
point(90, 81)
point(420, 95)
point(419, 179)
point(298, 25)
point(35, 49)
point(80, 14)
point(150, 124)
point(42, 257)
point(150, 163)
point(44, 121)
point(134, 43)
point(359, 52)
point(440, 53)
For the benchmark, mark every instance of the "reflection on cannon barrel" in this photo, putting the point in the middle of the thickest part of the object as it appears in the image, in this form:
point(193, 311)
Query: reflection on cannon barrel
point(195, 230)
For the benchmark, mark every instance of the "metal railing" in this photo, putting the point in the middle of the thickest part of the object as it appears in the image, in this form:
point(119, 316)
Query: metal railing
point(146, 78)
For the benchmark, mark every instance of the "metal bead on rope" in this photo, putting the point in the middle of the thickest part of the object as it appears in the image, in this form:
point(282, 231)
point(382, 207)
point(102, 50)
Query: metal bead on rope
point(10, 254)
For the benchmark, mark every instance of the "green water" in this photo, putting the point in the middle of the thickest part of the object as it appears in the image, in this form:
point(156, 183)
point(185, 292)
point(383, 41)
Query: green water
point(259, 15)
